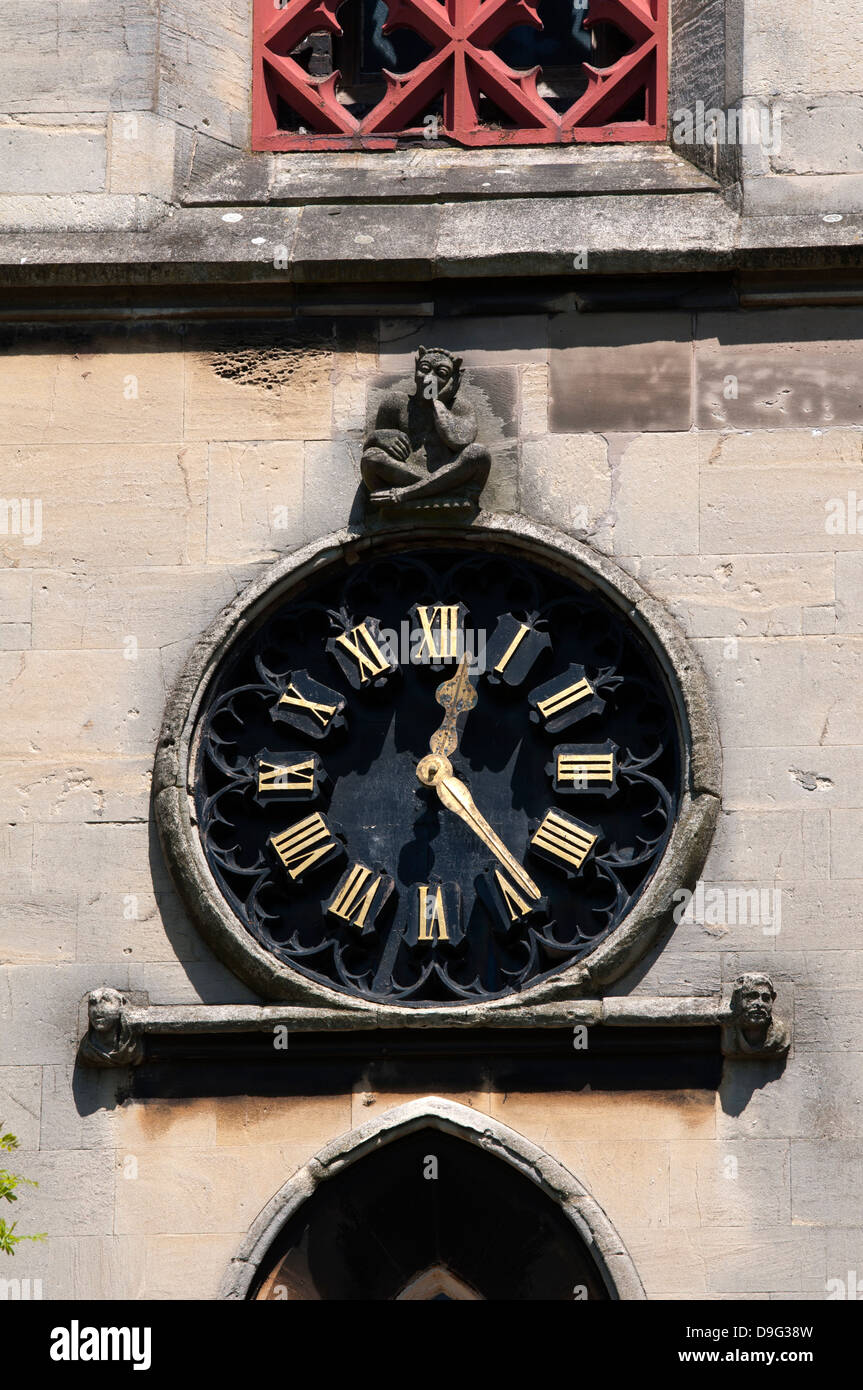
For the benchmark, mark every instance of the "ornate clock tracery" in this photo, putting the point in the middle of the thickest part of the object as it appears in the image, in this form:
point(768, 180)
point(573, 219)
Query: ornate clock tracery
point(391, 821)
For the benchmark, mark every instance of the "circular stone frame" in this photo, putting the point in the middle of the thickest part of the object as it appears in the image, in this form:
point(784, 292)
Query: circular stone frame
point(682, 859)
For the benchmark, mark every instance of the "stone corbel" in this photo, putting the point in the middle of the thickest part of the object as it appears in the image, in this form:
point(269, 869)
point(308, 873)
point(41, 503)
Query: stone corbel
point(117, 1026)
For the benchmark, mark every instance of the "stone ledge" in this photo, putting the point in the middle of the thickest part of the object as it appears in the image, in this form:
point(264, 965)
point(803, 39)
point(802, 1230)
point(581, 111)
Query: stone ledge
point(631, 234)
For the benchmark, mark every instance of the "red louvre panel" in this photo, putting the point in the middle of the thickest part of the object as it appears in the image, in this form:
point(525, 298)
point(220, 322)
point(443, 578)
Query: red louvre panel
point(461, 69)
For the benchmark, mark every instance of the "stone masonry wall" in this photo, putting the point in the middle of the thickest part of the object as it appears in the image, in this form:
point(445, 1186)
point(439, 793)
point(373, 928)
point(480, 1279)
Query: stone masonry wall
point(719, 459)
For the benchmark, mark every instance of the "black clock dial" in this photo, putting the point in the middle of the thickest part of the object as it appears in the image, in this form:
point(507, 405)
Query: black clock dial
point(411, 826)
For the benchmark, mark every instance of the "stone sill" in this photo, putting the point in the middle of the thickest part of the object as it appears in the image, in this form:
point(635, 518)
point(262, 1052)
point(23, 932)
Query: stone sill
point(210, 173)
point(385, 243)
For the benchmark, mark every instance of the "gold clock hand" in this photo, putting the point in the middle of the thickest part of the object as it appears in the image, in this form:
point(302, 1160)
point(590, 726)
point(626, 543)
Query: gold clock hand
point(457, 695)
point(434, 770)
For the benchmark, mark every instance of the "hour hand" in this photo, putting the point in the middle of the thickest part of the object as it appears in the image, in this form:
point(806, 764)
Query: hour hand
point(457, 695)
point(436, 771)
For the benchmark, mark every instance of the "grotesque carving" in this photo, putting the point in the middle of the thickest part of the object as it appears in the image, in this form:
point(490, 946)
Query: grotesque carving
point(751, 1030)
point(422, 452)
point(109, 1041)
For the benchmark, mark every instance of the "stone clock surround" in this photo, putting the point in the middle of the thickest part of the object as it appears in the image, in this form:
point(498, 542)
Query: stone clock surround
point(684, 854)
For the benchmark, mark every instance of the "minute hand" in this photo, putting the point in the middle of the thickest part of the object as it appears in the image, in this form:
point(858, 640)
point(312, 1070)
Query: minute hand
point(455, 797)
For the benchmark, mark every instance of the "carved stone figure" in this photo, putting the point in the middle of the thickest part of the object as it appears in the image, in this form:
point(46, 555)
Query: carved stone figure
point(751, 1030)
point(422, 452)
point(110, 1041)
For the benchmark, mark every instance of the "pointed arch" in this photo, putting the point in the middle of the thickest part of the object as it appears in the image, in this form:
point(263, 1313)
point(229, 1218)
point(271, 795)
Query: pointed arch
point(602, 1245)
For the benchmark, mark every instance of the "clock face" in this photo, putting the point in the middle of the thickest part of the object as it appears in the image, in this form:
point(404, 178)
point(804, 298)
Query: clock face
point(439, 775)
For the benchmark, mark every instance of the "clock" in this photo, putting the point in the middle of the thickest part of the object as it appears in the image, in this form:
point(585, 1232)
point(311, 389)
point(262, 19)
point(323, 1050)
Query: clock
point(432, 772)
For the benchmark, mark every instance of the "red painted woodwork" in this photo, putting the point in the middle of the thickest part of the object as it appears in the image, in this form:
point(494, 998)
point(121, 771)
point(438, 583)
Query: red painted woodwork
point(461, 68)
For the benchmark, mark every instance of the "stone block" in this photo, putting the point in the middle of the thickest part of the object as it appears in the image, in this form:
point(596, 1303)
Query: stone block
point(777, 49)
point(821, 134)
point(75, 1196)
point(849, 592)
point(566, 482)
point(16, 597)
point(629, 1178)
point(36, 159)
point(511, 341)
point(255, 504)
point(791, 777)
point(202, 1190)
point(36, 928)
point(774, 510)
point(788, 367)
point(21, 1104)
point(769, 847)
point(195, 982)
point(730, 1185)
point(39, 1009)
point(825, 1183)
point(141, 154)
point(14, 637)
point(761, 1260)
point(827, 1022)
point(656, 496)
point(837, 62)
point(100, 789)
point(534, 401)
point(44, 213)
point(125, 390)
point(620, 372)
point(781, 691)
point(78, 1108)
point(136, 926)
point(742, 595)
point(817, 1095)
point(193, 1263)
point(257, 1120)
point(265, 387)
point(111, 505)
point(108, 705)
point(203, 71)
point(147, 1125)
point(77, 57)
point(783, 195)
point(606, 1117)
point(846, 839)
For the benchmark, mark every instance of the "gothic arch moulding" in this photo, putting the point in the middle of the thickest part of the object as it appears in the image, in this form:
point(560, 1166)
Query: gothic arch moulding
point(615, 1271)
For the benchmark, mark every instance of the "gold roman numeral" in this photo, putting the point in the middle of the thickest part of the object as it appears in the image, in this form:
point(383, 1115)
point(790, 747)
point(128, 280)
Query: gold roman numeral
point(303, 844)
point(360, 644)
point(286, 777)
point(322, 712)
point(516, 905)
point(562, 699)
point(564, 839)
point(355, 895)
point(432, 917)
point(440, 631)
point(583, 768)
point(512, 648)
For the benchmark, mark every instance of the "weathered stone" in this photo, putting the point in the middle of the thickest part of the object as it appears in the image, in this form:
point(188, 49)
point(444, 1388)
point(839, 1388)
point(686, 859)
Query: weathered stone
point(620, 372)
point(276, 389)
point(21, 1104)
point(509, 342)
point(741, 595)
point(40, 160)
point(566, 481)
point(134, 504)
point(141, 154)
point(846, 829)
point(725, 1185)
point(820, 135)
point(652, 467)
point(84, 722)
point(785, 777)
point(769, 847)
point(792, 367)
point(849, 592)
point(109, 389)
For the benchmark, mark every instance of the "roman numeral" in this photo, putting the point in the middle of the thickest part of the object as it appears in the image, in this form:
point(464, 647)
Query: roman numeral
point(440, 631)
point(580, 769)
point(305, 844)
point(292, 778)
point(515, 904)
point(431, 914)
point(562, 699)
point(563, 840)
point(314, 709)
point(359, 655)
point(354, 899)
point(323, 713)
point(511, 650)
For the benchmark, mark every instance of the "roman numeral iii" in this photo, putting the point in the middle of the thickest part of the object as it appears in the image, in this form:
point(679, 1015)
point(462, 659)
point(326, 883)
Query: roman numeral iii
point(563, 840)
